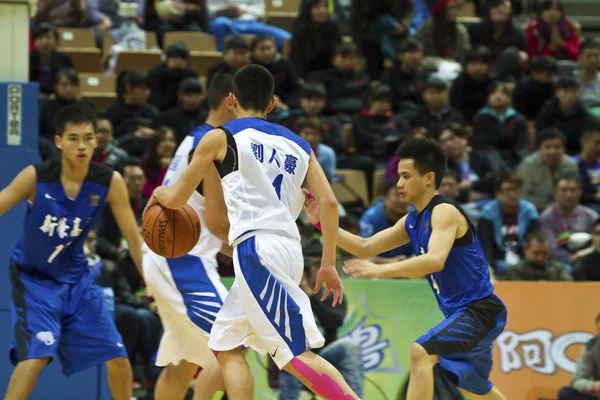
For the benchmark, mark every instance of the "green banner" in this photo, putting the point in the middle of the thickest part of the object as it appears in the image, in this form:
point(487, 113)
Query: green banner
point(384, 317)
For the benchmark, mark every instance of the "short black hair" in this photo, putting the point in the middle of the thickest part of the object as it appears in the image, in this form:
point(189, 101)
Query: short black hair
point(102, 116)
point(220, 87)
point(510, 177)
point(451, 174)
point(544, 64)
point(549, 134)
point(498, 85)
point(43, 29)
point(132, 161)
point(427, 155)
point(566, 82)
point(190, 86)
point(313, 90)
point(135, 79)
point(589, 43)
point(435, 84)
point(178, 50)
point(568, 177)
point(591, 128)
point(259, 39)
point(253, 87)
point(237, 43)
point(69, 73)
point(538, 236)
point(380, 92)
point(345, 49)
point(480, 53)
point(410, 44)
point(390, 186)
point(77, 113)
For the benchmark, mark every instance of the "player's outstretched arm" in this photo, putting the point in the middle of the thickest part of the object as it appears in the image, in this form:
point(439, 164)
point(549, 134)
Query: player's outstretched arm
point(360, 247)
point(118, 199)
point(21, 188)
point(213, 146)
point(215, 216)
point(444, 226)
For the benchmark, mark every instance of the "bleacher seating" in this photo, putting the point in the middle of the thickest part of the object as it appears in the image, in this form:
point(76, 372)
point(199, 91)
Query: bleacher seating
point(98, 88)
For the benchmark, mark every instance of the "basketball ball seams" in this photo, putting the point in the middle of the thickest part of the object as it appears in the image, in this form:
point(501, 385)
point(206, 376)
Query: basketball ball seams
point(154, 227)
point(191, 223)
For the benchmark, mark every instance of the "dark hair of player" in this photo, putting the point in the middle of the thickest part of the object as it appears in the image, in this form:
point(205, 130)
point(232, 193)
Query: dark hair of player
point(427, 155)
point(253, 87)
point(220, 87)
point(77, 114)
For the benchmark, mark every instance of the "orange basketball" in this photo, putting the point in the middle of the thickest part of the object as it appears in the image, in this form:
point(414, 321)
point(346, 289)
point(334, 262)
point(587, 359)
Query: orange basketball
point(171, 233)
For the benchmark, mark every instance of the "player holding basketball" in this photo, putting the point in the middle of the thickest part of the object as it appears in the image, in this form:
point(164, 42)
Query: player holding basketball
point(262, 168)
point(56, 307)
point(451, 257)
point(188, 290)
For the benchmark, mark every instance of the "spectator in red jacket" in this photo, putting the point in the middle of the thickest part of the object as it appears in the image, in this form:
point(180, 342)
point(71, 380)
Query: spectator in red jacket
point(551, 33)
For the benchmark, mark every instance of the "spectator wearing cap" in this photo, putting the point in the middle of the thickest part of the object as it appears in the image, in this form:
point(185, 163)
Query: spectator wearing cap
point(469, 89)
point(534, 90)
point(236, 55)
point(552, 33)
point(539, 169)
point(566, 112)
point(406, 78)
point(377, 131)
point(66, 92)
point(45, 61)
point(345, 85)
point(500, 127)
point(163, 16)
point(505, 39)
point(436, 112)
point(188, 113)
point(311, 130)
point(132, 99)
point(442, 36)
point(588, 75)
point(164, 79)
point(106, 152)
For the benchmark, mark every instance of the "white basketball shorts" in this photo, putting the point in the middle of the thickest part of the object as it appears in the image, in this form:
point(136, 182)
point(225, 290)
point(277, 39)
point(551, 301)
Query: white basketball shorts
point(189, 294)
point(265, 309)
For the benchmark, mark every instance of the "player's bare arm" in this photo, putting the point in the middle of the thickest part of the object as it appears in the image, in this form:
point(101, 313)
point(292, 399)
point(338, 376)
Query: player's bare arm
point(22, 187)
point(118, 199)
point(226, 250)
point(358, 246)
point(317, 183)
point(212, 147)
point(216, 217)
point(445, 226)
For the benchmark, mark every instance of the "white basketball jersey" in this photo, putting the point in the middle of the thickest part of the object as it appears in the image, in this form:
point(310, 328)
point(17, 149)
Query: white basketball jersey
point(262, 185)
point(208, 245)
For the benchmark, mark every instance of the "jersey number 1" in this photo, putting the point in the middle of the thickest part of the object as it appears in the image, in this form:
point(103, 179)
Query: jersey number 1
point(56, 252)
point(277, 185)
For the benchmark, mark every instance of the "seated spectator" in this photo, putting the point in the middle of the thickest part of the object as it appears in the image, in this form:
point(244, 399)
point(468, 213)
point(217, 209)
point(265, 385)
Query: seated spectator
point(188, 114)
point(315, 36)
point(164, 79)
point(539, 169)
point(588, 75)
point(132, 99)
point(72, 14)
point(162, 16)
point(505, 39)
point(585, 384)
point(241, 17)
point(45, 61)
point(588, 163)
point(566, 113)
point(586, 266)
point(442, 36)
point(552, 33)
point(311, 130)
point(383, 215)
point(106, 152)
point(475, 172)
point(287, 84)
point(66, 92)
point(468, 93)
point(500, 127)
point(345, 86)
point(109, 243)
point(449, 186)
point(343, 353)
point(534, 90)
point(505, 222)
point(134, 135)
point(236, 55)
point(436, 112)
point(406, 78)
point(537, 266)
point(377, 131)
point(566, 216)
point(161, 149)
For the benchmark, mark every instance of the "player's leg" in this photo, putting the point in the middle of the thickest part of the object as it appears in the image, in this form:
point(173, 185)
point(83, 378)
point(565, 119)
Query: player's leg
point(493, 394)
point(24, 378)
point(120, 376)
point(421, 373)
point(174, 381)
point(237, 376)
point(209, 382)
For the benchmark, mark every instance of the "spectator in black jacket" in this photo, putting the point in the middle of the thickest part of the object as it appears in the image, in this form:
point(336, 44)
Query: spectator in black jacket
point(188, 114)
point(436, 112)
point(500, 127)
point(164, 79)
point(134, 135)
point(473, 168)
point(407, 78)
point(45, 61)
point(589, 167)
point(345, 86)
point(107, 152)
point(533, 91)
point(566, 112)
point(236, 55)
point(66, 90)
point(468, 93)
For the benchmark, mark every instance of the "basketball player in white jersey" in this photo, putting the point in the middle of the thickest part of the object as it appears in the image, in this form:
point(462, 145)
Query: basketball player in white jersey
point(188, 290)
point(263, 167)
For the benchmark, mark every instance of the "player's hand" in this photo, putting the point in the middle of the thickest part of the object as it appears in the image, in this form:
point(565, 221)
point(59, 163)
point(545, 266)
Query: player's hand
point(151, 202)
point(362, 269)
point(311, 208)
point(328, 275)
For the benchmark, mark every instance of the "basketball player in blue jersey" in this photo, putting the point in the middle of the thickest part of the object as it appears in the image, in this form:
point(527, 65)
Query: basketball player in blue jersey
point(263, 167)
point(449, 254)
point(56, 307)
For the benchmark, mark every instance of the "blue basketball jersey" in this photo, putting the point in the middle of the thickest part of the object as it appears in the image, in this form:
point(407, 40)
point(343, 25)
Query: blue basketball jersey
point(465, 277)
point(56, 226)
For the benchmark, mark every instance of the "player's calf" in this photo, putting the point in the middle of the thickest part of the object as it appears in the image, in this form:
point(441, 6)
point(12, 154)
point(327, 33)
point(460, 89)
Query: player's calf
point(120, 378)
point(24, 378)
